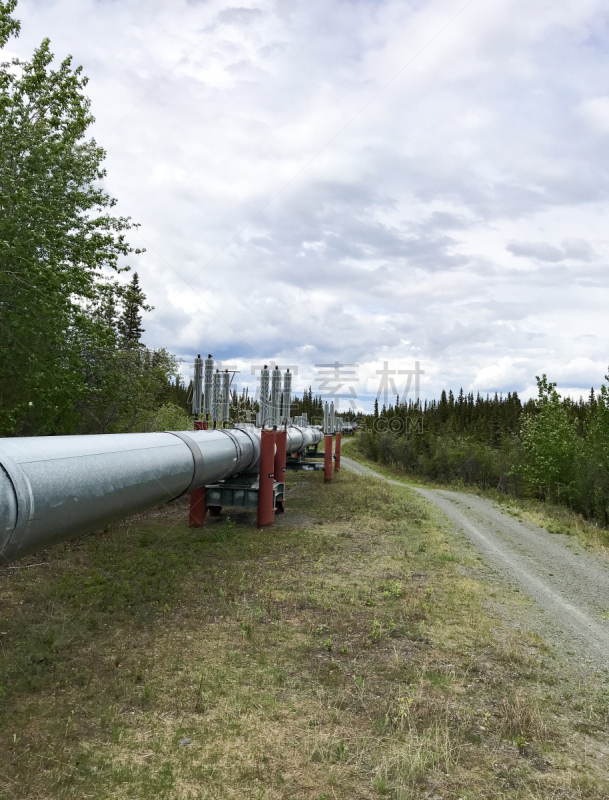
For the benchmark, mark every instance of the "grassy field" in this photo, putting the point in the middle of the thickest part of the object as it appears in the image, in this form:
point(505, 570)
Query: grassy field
point(355, 650)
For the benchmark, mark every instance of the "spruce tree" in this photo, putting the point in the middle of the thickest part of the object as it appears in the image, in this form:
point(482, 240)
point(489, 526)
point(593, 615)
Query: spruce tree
point(130, 322)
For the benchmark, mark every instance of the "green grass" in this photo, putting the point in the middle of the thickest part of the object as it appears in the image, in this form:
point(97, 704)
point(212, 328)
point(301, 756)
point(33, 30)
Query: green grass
point(348, 652)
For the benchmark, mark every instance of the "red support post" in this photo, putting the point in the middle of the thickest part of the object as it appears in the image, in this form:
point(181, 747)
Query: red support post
point(337, 454)
point(281, 442)
point(266, 512)
point(198, 509)
point(328, 458)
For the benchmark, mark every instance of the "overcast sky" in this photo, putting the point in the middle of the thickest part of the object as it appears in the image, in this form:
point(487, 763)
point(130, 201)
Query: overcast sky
point(359, 181)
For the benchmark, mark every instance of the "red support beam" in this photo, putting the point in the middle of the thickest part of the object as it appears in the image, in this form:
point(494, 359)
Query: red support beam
point(266, 512)
point(337, 454)
point(328, 458)
point(281, 443)
point(198, 509)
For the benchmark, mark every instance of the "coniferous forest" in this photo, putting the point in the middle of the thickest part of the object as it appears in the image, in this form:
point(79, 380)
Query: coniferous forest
point(551, 448)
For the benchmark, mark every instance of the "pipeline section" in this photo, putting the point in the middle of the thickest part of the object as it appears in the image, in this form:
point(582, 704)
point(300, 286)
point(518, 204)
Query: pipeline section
point(53, 488)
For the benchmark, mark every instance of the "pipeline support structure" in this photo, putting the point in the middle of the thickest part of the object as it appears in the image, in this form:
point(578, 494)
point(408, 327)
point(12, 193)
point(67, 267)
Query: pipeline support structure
point(53, 488)
point(57, 487)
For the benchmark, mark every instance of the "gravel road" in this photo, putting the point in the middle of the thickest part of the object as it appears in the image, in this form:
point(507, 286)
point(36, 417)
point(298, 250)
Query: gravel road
point(568, 584)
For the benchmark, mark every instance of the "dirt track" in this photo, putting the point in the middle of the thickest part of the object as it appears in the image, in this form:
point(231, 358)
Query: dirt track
point(569, 585)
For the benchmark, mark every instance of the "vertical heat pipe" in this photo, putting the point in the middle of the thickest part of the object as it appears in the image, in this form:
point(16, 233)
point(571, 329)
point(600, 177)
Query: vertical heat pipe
point(264, 396)
point(209, 379)
point(197, 387)
point(287, 396)
point(276, 395)
point(225, 395)
point(215, 398)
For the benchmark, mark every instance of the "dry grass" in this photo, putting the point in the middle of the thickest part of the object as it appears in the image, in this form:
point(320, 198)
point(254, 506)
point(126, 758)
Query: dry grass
point(557, 519)
point(346, 653)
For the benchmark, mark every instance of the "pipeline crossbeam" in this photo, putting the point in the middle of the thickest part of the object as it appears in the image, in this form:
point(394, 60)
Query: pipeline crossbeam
point(55, 487)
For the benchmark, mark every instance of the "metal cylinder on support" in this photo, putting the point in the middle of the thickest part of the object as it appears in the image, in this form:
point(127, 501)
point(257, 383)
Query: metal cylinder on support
point(337, 453)
point(332, 419)
point(225, 397)
point(276, 396)
point(266, 511)
point(264, 396)
point(56, 487)
point(281, 440)
point(197, 386)
point(208, 386)
point(326, 417)
point(328, 458)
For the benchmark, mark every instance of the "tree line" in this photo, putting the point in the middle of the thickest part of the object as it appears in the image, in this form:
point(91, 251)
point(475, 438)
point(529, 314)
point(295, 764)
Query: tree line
point(72, 356)
point(72, 359)
point(551, 447)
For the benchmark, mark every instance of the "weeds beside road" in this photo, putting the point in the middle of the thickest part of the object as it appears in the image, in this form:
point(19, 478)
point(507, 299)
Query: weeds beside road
point(553, 517)
point(352, 651)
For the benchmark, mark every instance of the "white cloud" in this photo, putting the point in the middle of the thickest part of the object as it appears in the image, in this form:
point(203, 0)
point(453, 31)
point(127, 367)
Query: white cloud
point(311, 189)
point(596, 112)
point(575, 249)
point(508, 374)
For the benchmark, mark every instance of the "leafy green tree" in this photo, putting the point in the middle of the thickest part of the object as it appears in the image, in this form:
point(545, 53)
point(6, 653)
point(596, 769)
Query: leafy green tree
point(58, 238)
point(9, 26)
point(551, 446)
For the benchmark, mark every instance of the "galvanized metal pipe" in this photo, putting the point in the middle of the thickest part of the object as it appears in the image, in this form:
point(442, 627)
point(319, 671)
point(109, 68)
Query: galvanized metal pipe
point(209, 380)
point(225, 395)
point(275, 396)
point(264, 396)
point(56, 487)
point(197, 386)
point(216, 397)
point(287, 396)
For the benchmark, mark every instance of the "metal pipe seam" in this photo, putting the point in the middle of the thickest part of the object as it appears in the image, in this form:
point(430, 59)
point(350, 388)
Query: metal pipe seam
point(246, 454)
point(197, 457)
point(16, 505)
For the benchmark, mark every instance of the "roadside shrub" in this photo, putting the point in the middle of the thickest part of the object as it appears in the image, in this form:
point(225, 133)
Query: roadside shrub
point(551, 448)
